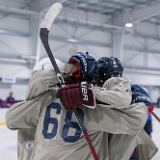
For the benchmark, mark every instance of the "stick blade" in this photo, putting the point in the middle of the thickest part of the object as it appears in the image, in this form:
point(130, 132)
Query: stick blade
point(51, 15)
point(72, 51)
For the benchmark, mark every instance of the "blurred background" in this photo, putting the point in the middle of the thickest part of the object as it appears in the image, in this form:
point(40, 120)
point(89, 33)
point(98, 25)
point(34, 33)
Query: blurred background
point(126, 29)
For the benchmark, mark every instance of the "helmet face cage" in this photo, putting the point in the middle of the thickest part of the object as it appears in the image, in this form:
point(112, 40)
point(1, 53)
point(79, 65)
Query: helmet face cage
point(109, 67)
point(116, 68)
point(103, 68)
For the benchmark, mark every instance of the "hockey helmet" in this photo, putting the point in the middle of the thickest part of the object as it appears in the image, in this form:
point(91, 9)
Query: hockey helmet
point(109, 67)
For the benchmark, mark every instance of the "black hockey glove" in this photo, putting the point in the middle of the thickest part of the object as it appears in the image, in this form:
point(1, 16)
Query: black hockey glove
point(88, 67)
point(76, 95)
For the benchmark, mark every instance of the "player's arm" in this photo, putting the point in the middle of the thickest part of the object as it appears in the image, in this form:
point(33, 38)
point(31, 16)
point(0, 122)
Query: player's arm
point(26, 114)
point(116, 92)
point(42, 87)
point(124, 121)
point(44, 77)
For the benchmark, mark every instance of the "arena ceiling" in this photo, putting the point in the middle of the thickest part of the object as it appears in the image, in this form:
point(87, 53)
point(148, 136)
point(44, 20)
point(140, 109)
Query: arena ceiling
point(104, 7)
point(118, 13)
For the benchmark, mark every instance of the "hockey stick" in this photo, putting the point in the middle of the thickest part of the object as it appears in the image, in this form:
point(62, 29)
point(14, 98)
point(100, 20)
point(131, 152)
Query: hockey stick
point(44, 32)
point(158, 119)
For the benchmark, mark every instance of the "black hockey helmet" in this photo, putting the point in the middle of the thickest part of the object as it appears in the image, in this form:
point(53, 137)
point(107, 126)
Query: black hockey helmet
point(109, 67)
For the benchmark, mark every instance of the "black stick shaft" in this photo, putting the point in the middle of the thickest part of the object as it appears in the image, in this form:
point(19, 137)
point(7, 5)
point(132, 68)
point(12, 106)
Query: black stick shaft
point(158, 119)
point(44, 37)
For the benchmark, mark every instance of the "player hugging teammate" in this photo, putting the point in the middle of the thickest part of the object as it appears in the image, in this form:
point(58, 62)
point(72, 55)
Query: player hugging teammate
point(48, 129)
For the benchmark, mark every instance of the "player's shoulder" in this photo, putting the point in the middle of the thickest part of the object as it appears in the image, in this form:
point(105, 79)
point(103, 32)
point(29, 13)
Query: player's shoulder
point(114, 81)
point(45, 63)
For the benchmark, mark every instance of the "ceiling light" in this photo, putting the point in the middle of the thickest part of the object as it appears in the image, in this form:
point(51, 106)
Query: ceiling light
point(128, 25)
point(72, 40)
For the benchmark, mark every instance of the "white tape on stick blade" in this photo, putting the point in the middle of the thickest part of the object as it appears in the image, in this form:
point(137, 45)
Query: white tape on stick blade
point(51, 15)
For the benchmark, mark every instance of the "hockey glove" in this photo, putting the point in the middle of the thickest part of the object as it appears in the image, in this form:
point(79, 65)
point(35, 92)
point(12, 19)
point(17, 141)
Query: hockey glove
point(150, 108)
point(88, 67)
point(76, 95)
point(140, 95)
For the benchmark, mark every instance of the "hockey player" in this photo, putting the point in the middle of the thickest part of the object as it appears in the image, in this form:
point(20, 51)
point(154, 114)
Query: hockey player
point(111, 67)
point(137, 90)
point(47, 130)
point(141, 95)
